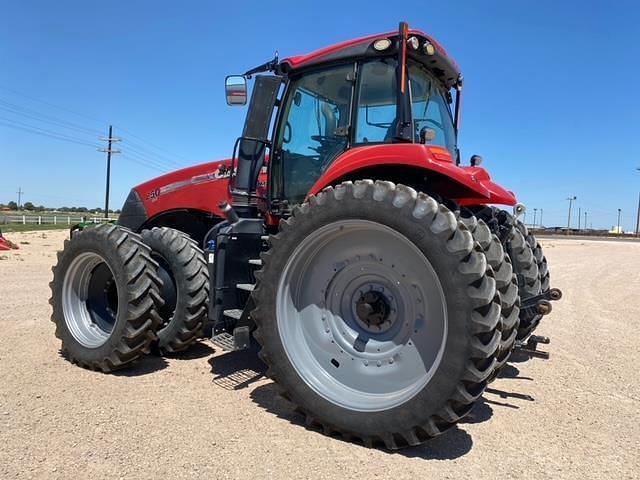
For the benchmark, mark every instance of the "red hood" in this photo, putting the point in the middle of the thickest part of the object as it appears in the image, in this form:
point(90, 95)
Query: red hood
point(200, 187)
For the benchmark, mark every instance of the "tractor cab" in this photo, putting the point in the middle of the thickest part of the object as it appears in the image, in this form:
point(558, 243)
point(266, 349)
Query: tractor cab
point(309, 110)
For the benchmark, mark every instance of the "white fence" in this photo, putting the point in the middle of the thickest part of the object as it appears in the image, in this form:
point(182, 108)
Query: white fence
point(51, 219)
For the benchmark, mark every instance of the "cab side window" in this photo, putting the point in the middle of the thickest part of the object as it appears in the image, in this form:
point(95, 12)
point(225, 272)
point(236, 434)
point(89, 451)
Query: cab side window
point(314, 129)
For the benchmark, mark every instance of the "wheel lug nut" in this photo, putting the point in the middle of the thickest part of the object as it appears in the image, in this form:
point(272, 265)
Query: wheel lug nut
point(379, 363)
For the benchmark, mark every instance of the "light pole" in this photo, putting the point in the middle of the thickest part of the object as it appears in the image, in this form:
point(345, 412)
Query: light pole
point(638, 214)
point(541, 224)
point(571, 199)
point(619, 212)
point(585, 219)
point(535, 212)
point(579, 217)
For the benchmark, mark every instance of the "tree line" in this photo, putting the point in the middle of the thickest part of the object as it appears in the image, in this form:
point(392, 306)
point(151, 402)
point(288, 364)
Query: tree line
point(30, 207)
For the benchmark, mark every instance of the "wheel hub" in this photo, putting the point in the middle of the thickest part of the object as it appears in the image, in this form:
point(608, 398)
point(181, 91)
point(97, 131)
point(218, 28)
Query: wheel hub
point(372, 309)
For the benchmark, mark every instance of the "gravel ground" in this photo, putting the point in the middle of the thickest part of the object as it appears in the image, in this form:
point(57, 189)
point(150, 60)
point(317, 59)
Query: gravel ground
point(207, 415)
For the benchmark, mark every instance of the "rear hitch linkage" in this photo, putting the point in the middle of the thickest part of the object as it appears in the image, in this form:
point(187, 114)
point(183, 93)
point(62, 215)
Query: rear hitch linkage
point(538, 305)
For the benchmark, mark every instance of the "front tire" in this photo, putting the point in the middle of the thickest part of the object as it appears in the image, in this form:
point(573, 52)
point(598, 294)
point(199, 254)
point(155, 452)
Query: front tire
point(105, 298)
point(377, 314)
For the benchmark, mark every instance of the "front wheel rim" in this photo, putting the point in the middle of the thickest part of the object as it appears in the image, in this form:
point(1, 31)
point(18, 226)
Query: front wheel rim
point(369, 358)
point(90, 300)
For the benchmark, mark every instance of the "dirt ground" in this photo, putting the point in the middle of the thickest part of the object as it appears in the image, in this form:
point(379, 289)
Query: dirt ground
point(207, 415)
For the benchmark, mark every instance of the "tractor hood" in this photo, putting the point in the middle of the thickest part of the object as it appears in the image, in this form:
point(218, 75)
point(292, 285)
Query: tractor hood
point(197, 188)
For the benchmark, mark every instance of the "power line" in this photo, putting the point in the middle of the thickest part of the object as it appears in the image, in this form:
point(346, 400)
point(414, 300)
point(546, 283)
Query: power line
point(150, 154)
point(42, 117)
point(154, 157)
point(45, 133)
point(125, 156)
point(153, 145)
point(52, 105)
point(148, 161)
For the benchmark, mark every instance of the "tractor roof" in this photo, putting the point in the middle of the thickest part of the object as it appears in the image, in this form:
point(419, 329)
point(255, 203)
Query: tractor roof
point(443, 66)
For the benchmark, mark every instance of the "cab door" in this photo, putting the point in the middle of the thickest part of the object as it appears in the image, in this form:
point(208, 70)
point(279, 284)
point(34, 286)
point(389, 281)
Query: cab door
point(312, 131)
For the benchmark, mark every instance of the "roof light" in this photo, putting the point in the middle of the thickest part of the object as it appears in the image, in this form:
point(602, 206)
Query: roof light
point(413, 42)
point(428, 48)
point(381, 44)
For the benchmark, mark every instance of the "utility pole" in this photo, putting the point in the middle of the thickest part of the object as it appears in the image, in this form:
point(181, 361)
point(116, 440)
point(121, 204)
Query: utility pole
point(579, 217)
point(535, 211)
point(638, 217)
point(571, 199)
point(541, 224)
point(638, 214)
point(19, 192)
point(619, 211)
point(110, 139)
point(585, 219)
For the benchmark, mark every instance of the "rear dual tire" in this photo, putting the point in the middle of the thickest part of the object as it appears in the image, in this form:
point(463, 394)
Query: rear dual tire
point(413, 387)
point(506, 284)
point(185, 290)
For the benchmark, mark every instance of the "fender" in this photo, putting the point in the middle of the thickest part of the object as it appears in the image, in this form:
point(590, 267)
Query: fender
point(471, 185)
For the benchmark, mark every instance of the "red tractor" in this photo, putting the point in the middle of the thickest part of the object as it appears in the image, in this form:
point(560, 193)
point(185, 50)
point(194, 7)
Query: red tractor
point(343, 235)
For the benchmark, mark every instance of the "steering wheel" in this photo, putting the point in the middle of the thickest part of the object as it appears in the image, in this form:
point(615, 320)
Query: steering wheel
point(287, 128)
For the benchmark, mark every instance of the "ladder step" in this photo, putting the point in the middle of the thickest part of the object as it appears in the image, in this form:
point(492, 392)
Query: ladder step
point(246, 286)
point(240, 340)
point(225, 341)
point(235, 313)
point(255, 261)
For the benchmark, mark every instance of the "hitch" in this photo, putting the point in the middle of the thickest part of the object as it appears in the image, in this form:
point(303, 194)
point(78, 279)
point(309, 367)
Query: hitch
point(541, 304)
point(531, 346)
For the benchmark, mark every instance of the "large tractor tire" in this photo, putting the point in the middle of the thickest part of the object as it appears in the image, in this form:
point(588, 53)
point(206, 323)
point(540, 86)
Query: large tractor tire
point(105, 298)
point(377, 314)
point(185, 290)
point(506, 284)
point(541, 260)
point(531, 321)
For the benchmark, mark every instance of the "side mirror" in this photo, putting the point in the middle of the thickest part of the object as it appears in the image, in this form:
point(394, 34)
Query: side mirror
point(235, 87)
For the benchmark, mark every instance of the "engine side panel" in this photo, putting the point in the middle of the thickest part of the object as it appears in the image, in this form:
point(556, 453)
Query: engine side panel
point(200, 188)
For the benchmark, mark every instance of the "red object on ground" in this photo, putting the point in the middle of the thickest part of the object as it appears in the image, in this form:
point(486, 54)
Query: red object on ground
point(7, 244)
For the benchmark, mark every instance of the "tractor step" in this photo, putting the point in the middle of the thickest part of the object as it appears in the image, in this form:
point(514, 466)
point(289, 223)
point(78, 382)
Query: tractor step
point(255, 261)
point(240, 340)
point(234, 313)
point(249, 287)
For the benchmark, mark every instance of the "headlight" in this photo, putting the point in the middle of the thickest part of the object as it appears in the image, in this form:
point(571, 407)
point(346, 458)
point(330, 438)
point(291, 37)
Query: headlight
point(428, 48)
point(381, 44)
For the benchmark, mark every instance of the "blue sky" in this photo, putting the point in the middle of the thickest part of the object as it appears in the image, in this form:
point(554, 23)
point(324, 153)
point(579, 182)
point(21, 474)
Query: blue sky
point(551, 95)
